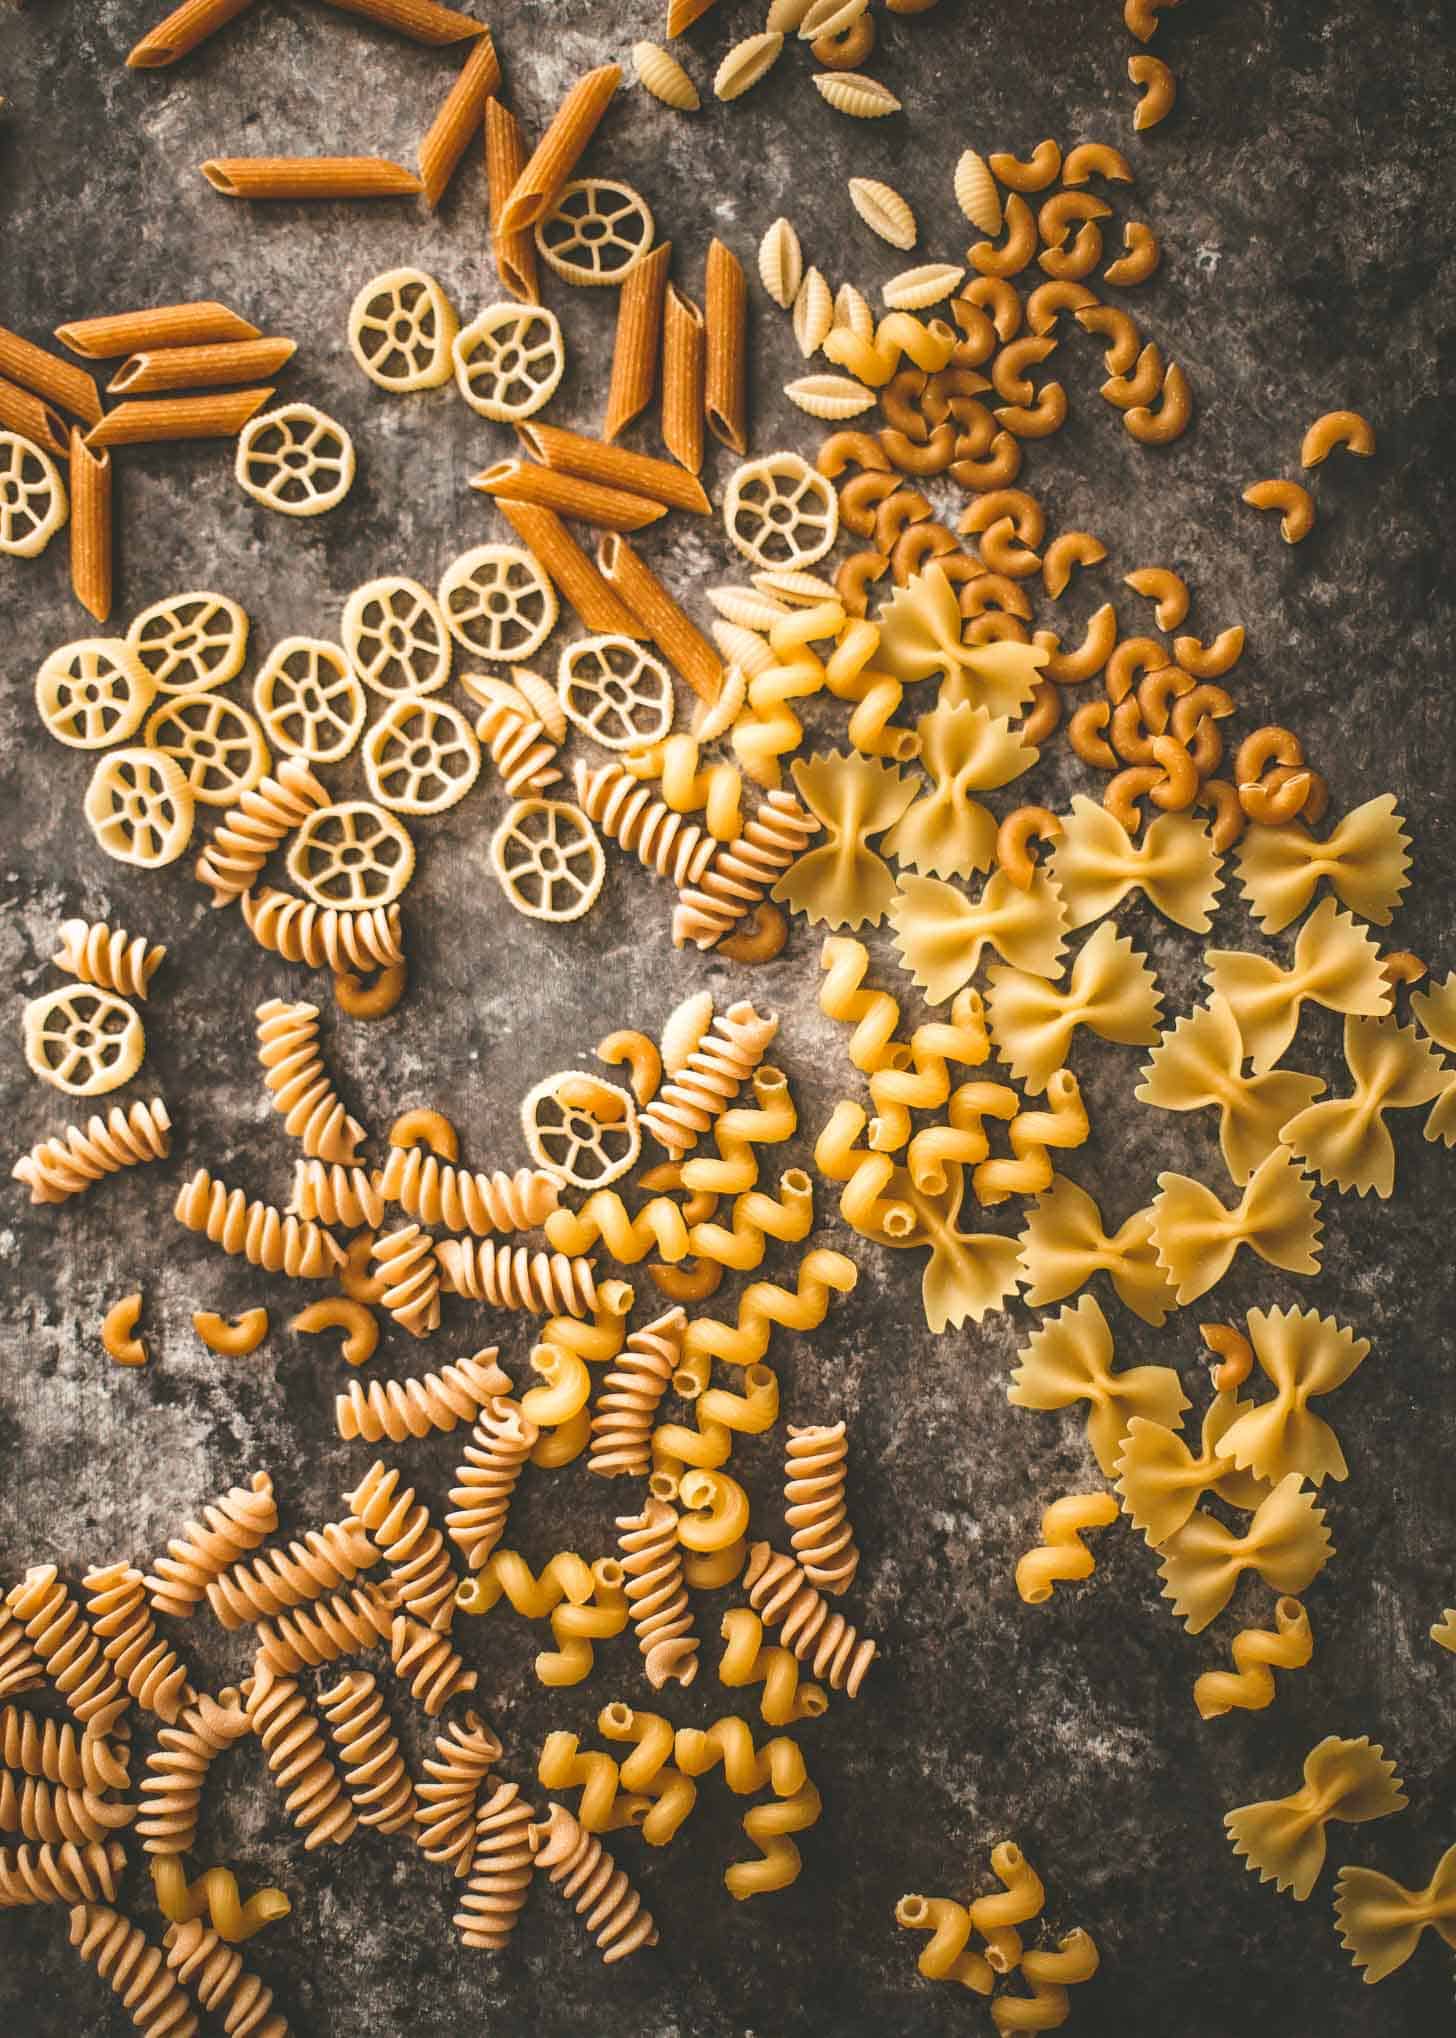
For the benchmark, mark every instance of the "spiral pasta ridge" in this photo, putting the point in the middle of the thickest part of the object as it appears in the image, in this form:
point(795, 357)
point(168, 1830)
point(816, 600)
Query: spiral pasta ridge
point(176, 1769)
point(1062, 1555)
point(581, 1868)
point(70, 1652)
point(84, 1761)
point(412, 1407)
point(421, 1579)
point(217, 1977)
point(656, 1595)
point(59, 1875)
point(742, 872)
point(460, 1199)
point(780, 1592)
point(1257, 1654)
point(519, 746)
point(627, 1403)
point(323, 937)
point(330, 1193)
point(500, 1873)
point(117, 1604)
point(137, 1970)
point(747, 1660)
point(344, 1624)
point(313, 1794)
point(424, 1660)
point(410, 1278)
point(448, 1802)
point(248, 833)
point(814, 1509)
point(323, 1560)
point(374, 1772)
point(262, 1235)
point(230, 1527)
point(710, 1078)
point(512, 1277)
point(500, 1443)
point(302, 1091)
point(52, 1813)
point(20, 1668)
point(107, 956)
point(69, 1162)
point(628, 811)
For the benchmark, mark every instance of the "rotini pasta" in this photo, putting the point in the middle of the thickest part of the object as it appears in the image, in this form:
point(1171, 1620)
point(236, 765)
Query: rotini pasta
point(55, 1814)
point(302, 1092)
point(248, 833)
point(323, 1560)
point(740, 873)
point(343, 1624)
point(136, 1969)
point(500, 1871)
point(513, 1278)
point(578, 1864)
point(108, 956)
point(231, 1526)
point(457, 1199)
point(656, 1596)
point(621, 1423)
point(415, 1406)
point(322, 937)
point(59, 1875)
point(421, 1579)
point(149, 1667)
point(262, 1235)
point(449, 1801)
point(501, 1441)
point(69, 1163)
point(425, 1661)
point(178, 1767)
point(221, 1983)
point(410, 1277)
point(781, 1593)
point(706, 1082)
point(814, 1507)
point(71, 1654)
point(627, 812)
point(84, 1762)
point(329, 1193)
point(313, 1792)
point(20, 1667)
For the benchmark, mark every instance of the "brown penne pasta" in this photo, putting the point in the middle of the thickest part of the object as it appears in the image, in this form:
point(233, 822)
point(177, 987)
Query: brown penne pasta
point(201, 324)
point(34, 369)
point(639, 473)
point(558, 554)
point(460, 115)
point(309, 177)
point(682, 14)
point(34, 419)
point(90, 526)
point(556, 155)
point(184, 28)
point(156, 420)
point(680, 641)
point(725, 313)
point(639, 331)
point(200, 367)
point(420, 20)
point(514, 254)
point(570, 495)
point(683, 348)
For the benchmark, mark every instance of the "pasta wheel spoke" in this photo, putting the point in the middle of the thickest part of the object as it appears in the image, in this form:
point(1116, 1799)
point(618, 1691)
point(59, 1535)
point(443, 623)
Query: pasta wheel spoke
point(780, 512)
point(617, 692)
point(395, 637)
point(548, 860)
point(308, 699)
point(400, 328)
point(598, 233)
point(352, 855)
point(92, 693)
point(584, 1147)
point(83, 1040)
point(190, 642)
point(218, 745)
point(509, 360)
point(421, 756)
point(295, 460)
point(139, 806)
point(497, 602)
point(32, 497)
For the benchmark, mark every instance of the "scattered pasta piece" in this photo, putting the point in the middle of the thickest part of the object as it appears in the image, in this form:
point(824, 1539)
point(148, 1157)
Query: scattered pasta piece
point(296, 460)
point(1284, 1840)
point(117, 1332)
point(1062, 1554)
point(1257, 1654)
point(401, 327)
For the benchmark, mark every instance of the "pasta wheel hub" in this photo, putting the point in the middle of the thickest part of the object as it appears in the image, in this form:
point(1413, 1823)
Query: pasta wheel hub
point(421, 757)
point(190, 642)
point(295, 459)
point(548, 860)
point(579, 1144)
point(92, 693)
point(780, 512)
point(598, 233)
point(83, 1040)
point(509, 361)
point(139, 806)
point(352, 855)
point(497, 602)
point(619, 694)
point(32, 497)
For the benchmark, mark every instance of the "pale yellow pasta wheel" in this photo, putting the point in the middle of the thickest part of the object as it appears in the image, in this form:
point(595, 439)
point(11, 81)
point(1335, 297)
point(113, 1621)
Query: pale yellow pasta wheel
point(308, 700)
point(496, 601)
point(32, 497)
point(218, 745)
point(421, 756)
point(547, 859)
point(619, 694)
point(395, 637)
point(598, 233)
point(295, 460)
point(400, 328)
point(779, 512)
point(83, 1040)
point(190, 642)
point(579, 1146)
point(92, 693)
point(352, 855)
point(139, 806)
point(509, 360)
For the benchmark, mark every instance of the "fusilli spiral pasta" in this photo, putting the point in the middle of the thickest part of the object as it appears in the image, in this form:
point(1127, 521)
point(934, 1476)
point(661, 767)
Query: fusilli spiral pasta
point(221, 1983)
point(449, 1802)
point(580, 1867)
point(325, 1559)
point(51, 1812)
point(411, 1278)
point(302, 1092)
point(68, 1163)
point(374, 1772)
point(250, 831)
point(656, 1594)
point(70, 1652)
point(231, 1525)
point(136, 1969)
point(57, 1752)
point(458, 1199)
point(710, 1078)
point(20, 1668)
point(742, 872)
point(421, 1579)
point(778, 1589)
point(627, 1402)
point(116, 1603)
point(313, 1794)
point(814, 1469)
point(344, 1624)
point(107, 956)
point(500, 1443)
point(628, 812)
point(414, 1406)
point(520, 747)
point(262, 1235)
point(330, 1193)
point(511, 1277)
point(59, 1875)
point(425, 1661)
point(323, 937)
point(500, 1873)
point(214, 1893)
point(171, 1789)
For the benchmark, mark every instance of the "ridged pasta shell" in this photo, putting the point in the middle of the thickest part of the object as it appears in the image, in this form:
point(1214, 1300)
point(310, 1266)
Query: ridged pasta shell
point(664, 77)
point(850, 309)
point(830, 17)
point(976, 194)
point(781, 263)
point(794, 585)
point(743, 648)
point(746, 63)
point(813, 313)
point(883, 211)
point(746, 607)
point(830, 396)
point(913, 289)
point(785, 15)
point(852, 93)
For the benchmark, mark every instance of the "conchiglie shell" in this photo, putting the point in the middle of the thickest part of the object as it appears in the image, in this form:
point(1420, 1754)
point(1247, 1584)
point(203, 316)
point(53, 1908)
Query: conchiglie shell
point(664, 77)
point(744, 648)
point(883, 211)
point(829, 17)
point(860, 97)
point(747, 607)
point(850, 309)
point(746, 63)
point(781, 263)
point(813, 313)
point(913, 289)
point(976, 194)
point(830, 396)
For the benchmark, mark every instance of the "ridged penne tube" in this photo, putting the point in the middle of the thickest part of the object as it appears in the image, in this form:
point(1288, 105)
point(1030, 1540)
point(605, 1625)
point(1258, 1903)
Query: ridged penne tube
point(421, 20)
point(90, 482)
point(173, 37)
point(46, 375)
point(579, 1866)
point(638, 340)
point(779, 1591)
point(71, 1654)
point(681, 643)
point(638, 473)
point(725, 317)
point(587, 502)
point(221, 1983)
point(570, 568)
point(1062, 1554)
point(457, 1772)
point(684, 350)
point(30, 417)
point(513, 253)
point(158, 420)
point(190, 367)
point(149, 1667)
point(461, 112)
point(1257, 1654)
point(177, 1769)
point(540, 182)
point(656, 1595)
point(303, 177)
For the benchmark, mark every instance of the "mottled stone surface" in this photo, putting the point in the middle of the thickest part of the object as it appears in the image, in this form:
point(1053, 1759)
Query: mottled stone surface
point(1299, 193)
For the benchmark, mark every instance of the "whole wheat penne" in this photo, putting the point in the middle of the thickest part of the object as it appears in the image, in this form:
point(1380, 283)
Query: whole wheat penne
point(461, 112)
point(558, 555)
point(514, 254)
point(570, 495)
point(421, 20)
point(680, 641)
point(725, 314)
point(203, 323)
point(90, 526)
point(34, 419)
point(309, 177)
point(682, 14)
point(199, 367)
point(556, 155)
point(683, 348)
point(184, 28)
point(639, 334)
point(157, 419)
point(641, 474)
point(44, 375)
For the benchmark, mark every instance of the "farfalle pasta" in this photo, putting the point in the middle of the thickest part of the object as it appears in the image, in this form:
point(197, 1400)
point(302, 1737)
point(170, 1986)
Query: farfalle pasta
point(1111, 991)
point(1435, 1013)
point(1336, 964)
point(1287, 1543)
point(1284, 1838)
point(1303, 1355)
point(1346, 1140)
point(941, 933)
point(1160, 1478)
point(1380, 1921)
point(1065, 1244)
point(1277, 1217)
point(841, 880)
point(1069, 1358)
point(1363, 859)
point(946, 833)
point(1096, 863)
point(1198, 1065)
point(920, 638)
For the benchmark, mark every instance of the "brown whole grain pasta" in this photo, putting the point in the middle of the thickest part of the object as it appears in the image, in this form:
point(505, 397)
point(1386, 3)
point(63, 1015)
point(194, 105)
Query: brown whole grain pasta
point(200, 367)
point(501, 1872)
point(200, 323)
point(574, 453)
point(682, 14)
point(680, 641)
point(32, 417)
point(158, 420)
point(570, 495)
point(181, 31)
point(90, 478)
point(421, 20)
point(262, 177)
point(639, 333)
point(570, 569)
point(461, 113)
point(555, 156)
point(514, 253)
point(725, 315)
point(41, 373)
point(684, 346)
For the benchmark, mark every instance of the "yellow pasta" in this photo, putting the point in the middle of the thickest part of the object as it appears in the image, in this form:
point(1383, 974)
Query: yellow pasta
point(214, 1893)
point(764, 1303)
point(1069, 1358)
point(941, 934)
point(1336, 964)
point(561, 1766)
point(1065, 1244)
point(883, 211)
point(1095, 864)
point(1196, 1237)
point(1380, 1921)
point(1198, 1064)
point(1257, 1654)
point(415, 1406)
point(746, 1661)
point(1363, 860)
point(1346, 1141)
point(199, 1958)
point(1284, 1839)
point(776, 1765)
point(1062, 1554)
point(1160, 1478)
point(860, 97)
point(947, 1956)
point(1303, 1356)
point(1287, 1543)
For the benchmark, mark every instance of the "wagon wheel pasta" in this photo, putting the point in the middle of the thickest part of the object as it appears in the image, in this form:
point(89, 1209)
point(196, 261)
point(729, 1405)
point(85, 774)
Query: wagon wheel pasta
point(83, 1040)
point(619, 694)
point(92, 693)
point(497, 602)
point(187, 643)
point(421, 756)
point(779, 512)
point(509, 360)
point(395, 637)
point(217, 744)
point(401, 325)
point(32, 497)
point(308, 699)
point(597, 233)
point(547, 860)
point(353, 856)
point(578, 1144)
point(295, 459)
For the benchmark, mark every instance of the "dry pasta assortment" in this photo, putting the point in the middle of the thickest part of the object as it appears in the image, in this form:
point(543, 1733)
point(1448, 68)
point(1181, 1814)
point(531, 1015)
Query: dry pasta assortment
point(899, 562)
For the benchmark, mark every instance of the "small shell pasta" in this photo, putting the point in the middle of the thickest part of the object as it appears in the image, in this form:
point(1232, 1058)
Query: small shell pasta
point(830, 396)
point(976, 194)
point(883, 211)
point(781, 263)
point(860, 97)
point(913, 289)
point(664, 77)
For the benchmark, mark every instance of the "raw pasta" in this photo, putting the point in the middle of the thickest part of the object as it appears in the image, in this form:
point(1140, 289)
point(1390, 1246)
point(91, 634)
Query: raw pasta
point(1363, 860)
point(1196, 1236)
point(1336, 964)
point(401, 329)
point(509, 360)
point(1064, 1245)
point(1380, 1921)
point(1095, 864)
point(962, 749)
point(1111, 991)
point(1287, 1543)
point(295, 460)
point(941, 933)
point(1198, 1065)
point(1284, 1839)
point(842, 881)
point(1346, 1140)
point(1069, 1358)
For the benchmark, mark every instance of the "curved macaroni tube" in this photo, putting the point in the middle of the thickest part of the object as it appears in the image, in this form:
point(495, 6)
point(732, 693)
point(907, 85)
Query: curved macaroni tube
point(746, 1660)
point(764, 1303)
point(1013, 842)
point(117, 1326)
point(1042, 167)
point(715, 1510)
point(506, 1575)
point(1233, 1350)
point(875, 1015)
point(946, 1957)
point(1062, 1554)
point(1295, 503)
point(1017, 247)
point(1160, 427)
point(1021, 1898)
point(340, 1312)
point(424, 1126)
point(1160, 89)
point(576, 1627)
point(1257, 1654)
point(215, 1892)
point(603, 1808)
point(640, 1056)
point(1336, 428)
point(708, 1572)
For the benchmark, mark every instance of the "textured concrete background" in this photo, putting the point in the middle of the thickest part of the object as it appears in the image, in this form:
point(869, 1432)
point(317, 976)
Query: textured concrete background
point(1298, 190)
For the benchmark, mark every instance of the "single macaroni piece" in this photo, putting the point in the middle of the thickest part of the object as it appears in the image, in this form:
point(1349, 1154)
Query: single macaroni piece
point(232, 1525)
point(296, 460)
point(415, 1406)
point(71, 1654)
point(139, 807)
point(261, 1234)
point(249, 832)
point(1062, 1554)
point(500, 1443)
point(215, 1894)
point(1346, 1140)
point(576, 1627)
point(401, 326)
point(1284, 1839)
point(302, 1092)
point(1069, 1358)
point(123, 1955)
point(1296, 505)
point(814, 1508)
point(509, 360)
point(1380, 1921)
point(1160, 90)
point(1198, 1064)
point(1287, 1543)
point(92, 693)
point(1336, 428)
point(579, 1866)
point(200, 1960)
point(656, 1596)
point(1257, 1654)
point(149, 1667)
point(447, 1804)
point(68, 1163)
